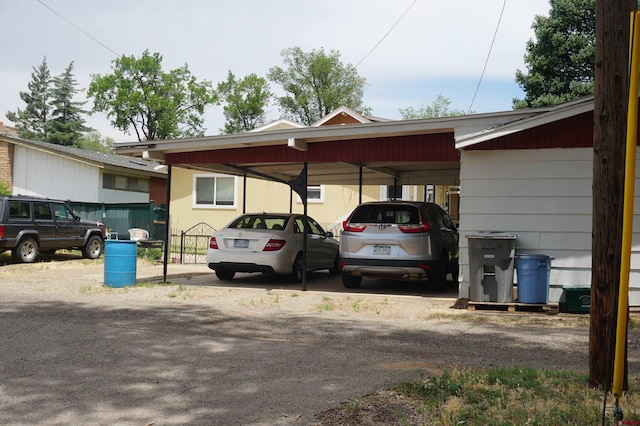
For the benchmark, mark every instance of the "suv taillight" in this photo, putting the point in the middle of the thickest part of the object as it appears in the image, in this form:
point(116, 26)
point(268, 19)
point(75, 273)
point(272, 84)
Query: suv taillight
point(416, 228)
point(2, 230)
point(352, 227)
point(213, 244)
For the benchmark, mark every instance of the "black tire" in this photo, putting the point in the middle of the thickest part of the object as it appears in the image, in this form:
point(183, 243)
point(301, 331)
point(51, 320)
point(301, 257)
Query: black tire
point(297, 269)
point(351, 281)
point(335, 269)
point(455, 271)
point(439, 276)
point(26, 251)
point(94, 247)
point(225, 275)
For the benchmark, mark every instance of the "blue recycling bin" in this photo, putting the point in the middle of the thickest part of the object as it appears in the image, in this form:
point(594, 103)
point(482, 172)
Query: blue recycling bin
point(533, 272)
point(120, 257)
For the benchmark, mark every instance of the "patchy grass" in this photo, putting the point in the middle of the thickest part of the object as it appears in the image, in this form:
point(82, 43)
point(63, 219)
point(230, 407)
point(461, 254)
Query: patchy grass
point(351, 304)
point(183, 292)
point(511, 396)
point(270, 300)
point(326, 305)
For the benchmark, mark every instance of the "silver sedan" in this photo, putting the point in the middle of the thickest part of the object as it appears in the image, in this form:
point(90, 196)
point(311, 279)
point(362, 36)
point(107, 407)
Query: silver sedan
point(271, 243)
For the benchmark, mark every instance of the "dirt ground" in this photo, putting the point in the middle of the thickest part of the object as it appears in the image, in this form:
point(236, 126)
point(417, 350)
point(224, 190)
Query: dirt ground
point(457, 339)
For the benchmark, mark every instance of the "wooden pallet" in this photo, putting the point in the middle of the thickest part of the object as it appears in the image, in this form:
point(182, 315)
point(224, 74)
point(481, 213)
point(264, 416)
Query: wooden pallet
point(511, 307)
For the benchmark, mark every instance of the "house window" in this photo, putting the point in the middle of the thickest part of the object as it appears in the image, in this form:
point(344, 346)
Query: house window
point(315, 194)
point(214, 191)
point(125, 183)
point(394, 192)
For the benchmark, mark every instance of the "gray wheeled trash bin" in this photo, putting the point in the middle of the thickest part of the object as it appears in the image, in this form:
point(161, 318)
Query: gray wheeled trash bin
point(491, 258)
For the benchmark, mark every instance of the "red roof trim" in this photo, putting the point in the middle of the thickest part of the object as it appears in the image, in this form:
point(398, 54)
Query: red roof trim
point(413, 148)
point(571, 132)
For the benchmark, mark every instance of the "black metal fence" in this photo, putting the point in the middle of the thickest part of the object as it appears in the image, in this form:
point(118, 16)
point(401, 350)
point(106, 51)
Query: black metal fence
point(190, 246)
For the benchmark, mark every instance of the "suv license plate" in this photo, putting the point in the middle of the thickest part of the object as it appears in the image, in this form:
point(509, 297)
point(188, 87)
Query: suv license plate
point(241, 243)
point(384, 250)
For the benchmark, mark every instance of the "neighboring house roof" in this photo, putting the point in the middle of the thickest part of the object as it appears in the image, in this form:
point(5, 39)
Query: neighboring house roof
point(281, 124)
point(345, 115)
point(119, 161)
point(339, 116)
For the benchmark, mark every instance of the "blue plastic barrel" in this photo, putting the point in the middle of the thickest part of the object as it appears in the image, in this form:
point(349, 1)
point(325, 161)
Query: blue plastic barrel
point(120, 263)
point(533, 271)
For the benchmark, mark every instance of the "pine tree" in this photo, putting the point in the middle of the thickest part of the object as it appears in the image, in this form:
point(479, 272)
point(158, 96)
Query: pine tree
point(561, 62)
point(67, 124)
point(32, 121)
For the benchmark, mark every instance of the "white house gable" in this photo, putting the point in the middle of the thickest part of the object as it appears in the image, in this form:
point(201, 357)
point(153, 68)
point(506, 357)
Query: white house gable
point(57, 176)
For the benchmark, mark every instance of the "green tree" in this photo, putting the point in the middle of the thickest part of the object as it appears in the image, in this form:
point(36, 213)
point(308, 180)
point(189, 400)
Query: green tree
point(245, 101)
point(315, 84)
point(4, 189)
point(67, 124)
point(32, 121)
point(561, 62)
point(438, 108)
point(93, 141)
point(139, 95)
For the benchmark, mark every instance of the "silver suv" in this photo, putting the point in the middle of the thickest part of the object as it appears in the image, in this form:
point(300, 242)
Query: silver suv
point(398, 240)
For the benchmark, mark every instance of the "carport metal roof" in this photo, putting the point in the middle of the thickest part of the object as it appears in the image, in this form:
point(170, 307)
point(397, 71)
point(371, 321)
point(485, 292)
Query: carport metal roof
point(381, 153)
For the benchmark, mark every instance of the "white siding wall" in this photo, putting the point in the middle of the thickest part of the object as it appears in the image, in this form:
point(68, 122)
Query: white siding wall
point(47, 175)
point(116, 196)
point(545, 197)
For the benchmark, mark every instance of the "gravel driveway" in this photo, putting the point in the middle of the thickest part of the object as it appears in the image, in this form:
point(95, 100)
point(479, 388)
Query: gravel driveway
point(251, 352)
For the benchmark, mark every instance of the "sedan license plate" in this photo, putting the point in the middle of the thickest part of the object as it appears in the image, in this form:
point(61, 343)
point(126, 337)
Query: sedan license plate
point(382, 250)
point(240, 243)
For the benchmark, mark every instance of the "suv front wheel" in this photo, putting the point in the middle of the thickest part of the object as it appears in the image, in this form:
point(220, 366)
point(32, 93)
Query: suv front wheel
point(26, 251)
point(94, 247)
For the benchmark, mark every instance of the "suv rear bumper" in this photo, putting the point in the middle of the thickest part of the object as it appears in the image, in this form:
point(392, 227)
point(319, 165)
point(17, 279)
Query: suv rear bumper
point(391, 268)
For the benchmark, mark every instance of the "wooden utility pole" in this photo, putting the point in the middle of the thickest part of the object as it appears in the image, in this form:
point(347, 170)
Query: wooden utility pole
point(610, 118)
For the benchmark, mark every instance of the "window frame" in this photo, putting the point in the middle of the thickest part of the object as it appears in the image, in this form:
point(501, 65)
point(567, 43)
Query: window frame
point(215, 176)
point(318, 200)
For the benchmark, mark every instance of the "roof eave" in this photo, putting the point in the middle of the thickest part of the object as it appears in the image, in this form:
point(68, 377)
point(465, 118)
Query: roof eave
point(465, 124)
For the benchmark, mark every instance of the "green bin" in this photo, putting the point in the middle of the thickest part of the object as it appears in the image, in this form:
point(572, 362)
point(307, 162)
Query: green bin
point(577, 300)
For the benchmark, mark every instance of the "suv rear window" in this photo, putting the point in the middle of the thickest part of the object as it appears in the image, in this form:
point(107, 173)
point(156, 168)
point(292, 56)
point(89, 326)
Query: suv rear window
point(19, 210)
point(386, 213)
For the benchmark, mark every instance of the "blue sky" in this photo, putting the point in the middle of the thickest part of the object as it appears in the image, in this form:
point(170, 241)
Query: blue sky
point(436, 48)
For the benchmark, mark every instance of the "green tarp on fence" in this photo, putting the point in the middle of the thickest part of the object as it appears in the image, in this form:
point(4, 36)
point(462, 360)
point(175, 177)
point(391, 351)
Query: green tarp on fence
point(120, 217)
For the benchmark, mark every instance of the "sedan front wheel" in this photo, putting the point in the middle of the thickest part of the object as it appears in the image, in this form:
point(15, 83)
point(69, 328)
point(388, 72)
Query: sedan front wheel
point(298, 269)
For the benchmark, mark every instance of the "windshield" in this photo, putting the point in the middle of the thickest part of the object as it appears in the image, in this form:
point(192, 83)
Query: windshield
point(260, 222)
point(386, 213)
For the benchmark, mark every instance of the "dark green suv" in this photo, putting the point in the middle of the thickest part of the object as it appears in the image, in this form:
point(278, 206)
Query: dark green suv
point(29, 225)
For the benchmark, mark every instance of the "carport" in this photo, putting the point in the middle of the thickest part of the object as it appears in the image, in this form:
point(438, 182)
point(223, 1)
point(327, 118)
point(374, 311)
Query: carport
point(410, 152)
